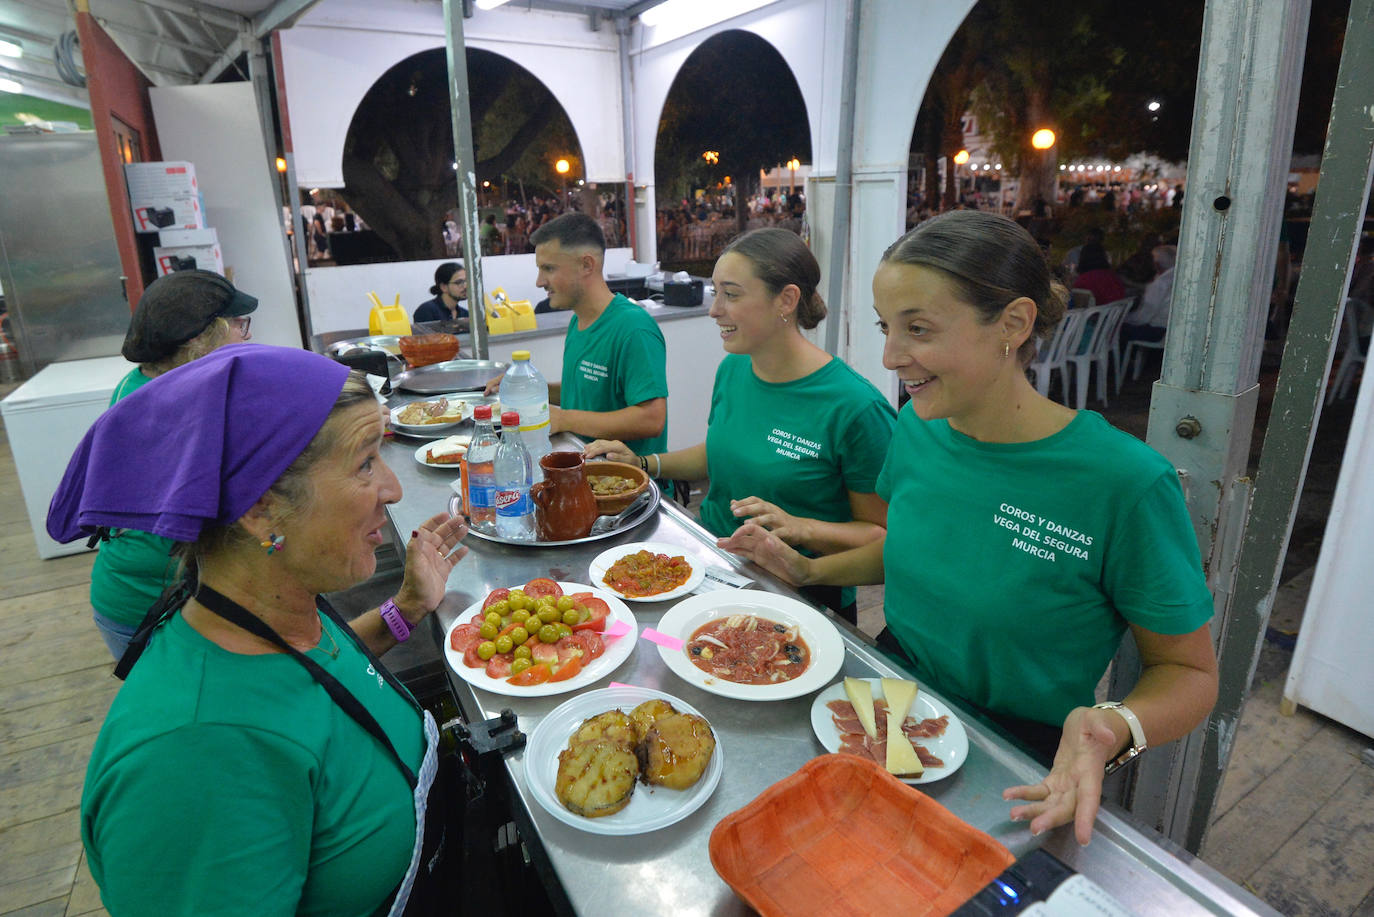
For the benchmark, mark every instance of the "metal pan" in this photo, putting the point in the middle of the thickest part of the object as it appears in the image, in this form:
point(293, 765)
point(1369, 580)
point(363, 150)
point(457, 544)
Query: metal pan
point(647, 512)
point(451, 376)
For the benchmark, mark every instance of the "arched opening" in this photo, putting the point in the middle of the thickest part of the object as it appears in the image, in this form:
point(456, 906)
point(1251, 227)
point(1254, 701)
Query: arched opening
point(398, 159)
point(733, 120)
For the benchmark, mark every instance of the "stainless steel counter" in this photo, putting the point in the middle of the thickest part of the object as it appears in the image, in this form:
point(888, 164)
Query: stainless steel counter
point(669, 871)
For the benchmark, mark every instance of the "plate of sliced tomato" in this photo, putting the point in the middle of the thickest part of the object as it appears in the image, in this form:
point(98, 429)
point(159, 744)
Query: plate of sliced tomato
point(542, 638)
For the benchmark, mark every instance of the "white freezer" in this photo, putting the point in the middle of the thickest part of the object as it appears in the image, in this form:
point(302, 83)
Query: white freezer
point(45, 419)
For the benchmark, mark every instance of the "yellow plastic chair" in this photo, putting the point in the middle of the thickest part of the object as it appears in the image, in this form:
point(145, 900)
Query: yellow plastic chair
point(384, 319)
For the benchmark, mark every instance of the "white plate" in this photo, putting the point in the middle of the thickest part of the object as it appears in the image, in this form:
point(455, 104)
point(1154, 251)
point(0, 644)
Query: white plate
point(428, 429)
point(827, 649)
point(605, 559)
point(420, 455)
point(951, 748)
point(617, 651)
point(651, 807)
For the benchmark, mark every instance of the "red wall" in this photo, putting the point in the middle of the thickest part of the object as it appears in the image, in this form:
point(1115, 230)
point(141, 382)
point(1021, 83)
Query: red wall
point(117, 87)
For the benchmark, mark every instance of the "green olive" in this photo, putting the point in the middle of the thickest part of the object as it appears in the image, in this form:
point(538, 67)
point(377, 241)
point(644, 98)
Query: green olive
point(522, 652)
point(565, 603)
point(519, 665)
point(520, 617)
point(571, 616)
point(548, 634)
point(502, 608)
point(519, 636)
point(563, 629)
point(486, 649)
point(488, 631)
point(504, 644)
point(548, 614)
point(493, 618)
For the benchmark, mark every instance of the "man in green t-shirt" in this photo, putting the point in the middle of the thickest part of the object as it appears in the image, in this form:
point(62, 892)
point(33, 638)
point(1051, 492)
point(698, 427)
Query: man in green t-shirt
point(614, 383)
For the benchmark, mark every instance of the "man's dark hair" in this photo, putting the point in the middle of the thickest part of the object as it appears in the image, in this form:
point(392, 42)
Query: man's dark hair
point(571, 230)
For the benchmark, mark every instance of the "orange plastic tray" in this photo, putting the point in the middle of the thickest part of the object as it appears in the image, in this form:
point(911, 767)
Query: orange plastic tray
point(842, 836)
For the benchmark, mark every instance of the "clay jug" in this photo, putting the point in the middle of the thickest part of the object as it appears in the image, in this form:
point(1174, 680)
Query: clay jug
point(564, 506)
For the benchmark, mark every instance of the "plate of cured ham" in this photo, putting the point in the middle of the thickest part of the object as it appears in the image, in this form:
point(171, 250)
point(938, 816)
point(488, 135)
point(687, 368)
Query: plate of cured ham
point(936, 734)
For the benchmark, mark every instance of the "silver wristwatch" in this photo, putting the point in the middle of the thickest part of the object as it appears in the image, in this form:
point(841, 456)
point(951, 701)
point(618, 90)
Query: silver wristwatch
point(1137, 745)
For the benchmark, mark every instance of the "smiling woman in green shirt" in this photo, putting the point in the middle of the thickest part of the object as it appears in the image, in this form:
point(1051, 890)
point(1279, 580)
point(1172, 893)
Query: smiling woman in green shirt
point(795, 438)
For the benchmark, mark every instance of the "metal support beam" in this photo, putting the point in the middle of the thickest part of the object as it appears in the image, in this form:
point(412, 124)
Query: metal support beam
point(226, 58)
point(280, 15)
point(199, 12)
point(1337, 218)
point(844, 177)
point(622, 34)
point(1248, 77)
point(465, 172)
point(260, 72)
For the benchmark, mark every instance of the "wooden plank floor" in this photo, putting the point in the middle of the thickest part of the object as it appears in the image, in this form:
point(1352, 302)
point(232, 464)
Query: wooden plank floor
point(1294, 823)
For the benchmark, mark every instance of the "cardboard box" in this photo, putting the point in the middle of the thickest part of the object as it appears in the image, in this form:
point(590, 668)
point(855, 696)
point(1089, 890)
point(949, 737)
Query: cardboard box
point(164, 195)
point(190, 249)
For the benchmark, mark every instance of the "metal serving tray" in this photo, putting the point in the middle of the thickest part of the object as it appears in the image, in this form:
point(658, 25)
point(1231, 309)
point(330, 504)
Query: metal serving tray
point(451, 376)
point(645, 512)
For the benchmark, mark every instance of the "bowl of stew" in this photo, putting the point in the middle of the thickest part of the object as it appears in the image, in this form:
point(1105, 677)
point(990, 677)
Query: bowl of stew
point(615, 485)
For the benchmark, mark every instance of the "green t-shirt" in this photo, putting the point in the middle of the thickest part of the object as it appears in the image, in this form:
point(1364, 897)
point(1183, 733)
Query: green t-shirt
point(1013, 569)
point(133, 568)
point(619, 360)
point(232, 784)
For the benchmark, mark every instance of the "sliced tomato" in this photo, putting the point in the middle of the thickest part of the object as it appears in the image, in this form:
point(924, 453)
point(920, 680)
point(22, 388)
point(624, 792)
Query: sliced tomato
point(568, 649)
point(538, 588)
point(591, 643)
point(534, 675)
point(495, 596)
point(471, 659)
point(600, 611)
point(508, 628)
point(581, 597)
point(479, 619)
point(544, 652)
point(463, 636)
point(498, 666)
point(567, 670)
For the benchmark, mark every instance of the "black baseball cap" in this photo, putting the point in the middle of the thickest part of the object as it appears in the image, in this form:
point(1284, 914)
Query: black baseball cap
point(176, 308)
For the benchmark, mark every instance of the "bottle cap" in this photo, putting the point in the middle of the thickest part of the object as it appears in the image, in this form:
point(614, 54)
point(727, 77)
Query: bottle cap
point(481, 412)
point(519, 355)
point(510, 418)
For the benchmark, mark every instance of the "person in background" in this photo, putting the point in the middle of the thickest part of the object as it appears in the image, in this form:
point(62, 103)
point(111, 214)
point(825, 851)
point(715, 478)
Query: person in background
point(260, 759)
point(1018, 529)
point(614, 381)
point(450, 292)
point(1095, 275)
point(1149, 320)
point(489, 237)
point(795, 438)
point(179, 318)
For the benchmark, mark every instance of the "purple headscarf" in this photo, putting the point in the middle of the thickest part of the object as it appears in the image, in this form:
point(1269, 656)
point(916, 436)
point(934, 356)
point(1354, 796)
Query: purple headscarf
point(197, 445)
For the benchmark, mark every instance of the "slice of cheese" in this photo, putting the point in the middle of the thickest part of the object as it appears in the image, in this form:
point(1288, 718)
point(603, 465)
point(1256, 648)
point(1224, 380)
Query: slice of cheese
point(861, 696)
point(901, 757)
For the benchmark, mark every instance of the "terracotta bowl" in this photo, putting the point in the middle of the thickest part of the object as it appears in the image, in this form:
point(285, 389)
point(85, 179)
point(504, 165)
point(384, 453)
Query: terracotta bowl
point(610, 505)
point(424, 349)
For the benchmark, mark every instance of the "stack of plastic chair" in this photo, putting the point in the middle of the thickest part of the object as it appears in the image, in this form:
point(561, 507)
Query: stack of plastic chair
point(384, 319)
point(1053, 353)
point(1103, 324)
point(1355, 352)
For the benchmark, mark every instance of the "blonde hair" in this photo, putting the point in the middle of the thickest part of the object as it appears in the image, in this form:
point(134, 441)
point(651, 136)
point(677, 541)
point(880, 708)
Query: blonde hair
point(218, 333)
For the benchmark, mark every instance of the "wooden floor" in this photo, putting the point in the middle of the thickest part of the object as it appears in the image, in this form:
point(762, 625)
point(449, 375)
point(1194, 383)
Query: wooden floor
point(1294, 824)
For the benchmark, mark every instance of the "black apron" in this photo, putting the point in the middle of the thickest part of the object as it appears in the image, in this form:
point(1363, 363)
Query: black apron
point(422, 891)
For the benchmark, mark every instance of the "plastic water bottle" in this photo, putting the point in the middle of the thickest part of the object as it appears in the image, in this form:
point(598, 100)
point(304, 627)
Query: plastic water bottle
point(514, 508)
point(481, 472)
point(524, 391)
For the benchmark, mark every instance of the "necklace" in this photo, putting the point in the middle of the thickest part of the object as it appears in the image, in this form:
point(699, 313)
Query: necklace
point(324, 632)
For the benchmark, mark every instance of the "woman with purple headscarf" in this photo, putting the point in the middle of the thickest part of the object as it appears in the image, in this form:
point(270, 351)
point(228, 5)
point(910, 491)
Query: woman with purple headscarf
point(259, 759)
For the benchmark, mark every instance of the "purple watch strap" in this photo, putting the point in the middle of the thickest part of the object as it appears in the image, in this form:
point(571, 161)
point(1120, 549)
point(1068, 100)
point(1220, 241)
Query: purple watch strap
point(395, 621)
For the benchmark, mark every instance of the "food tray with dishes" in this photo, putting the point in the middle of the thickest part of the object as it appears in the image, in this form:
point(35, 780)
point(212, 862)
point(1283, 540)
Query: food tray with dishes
point(852, 716)
point(622, 760)
point(645, 511)
point(751, 645)
point(514, 643)
point(840, 836)
point(647, 571)
point(429, 416)
point(449, 376)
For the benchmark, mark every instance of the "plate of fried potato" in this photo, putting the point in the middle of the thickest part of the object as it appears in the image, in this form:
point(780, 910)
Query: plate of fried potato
point(591, 761)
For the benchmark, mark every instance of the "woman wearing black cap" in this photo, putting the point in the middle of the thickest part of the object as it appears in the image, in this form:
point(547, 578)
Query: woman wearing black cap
point(181, 317)
point(450, 292)
point(260, 759)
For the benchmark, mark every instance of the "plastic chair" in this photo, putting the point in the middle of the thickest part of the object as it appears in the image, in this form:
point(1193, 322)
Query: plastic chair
point(1103, 324)
point(1355, 351)
point(1136, 349)
point(1081, 299)
point(1051, 354)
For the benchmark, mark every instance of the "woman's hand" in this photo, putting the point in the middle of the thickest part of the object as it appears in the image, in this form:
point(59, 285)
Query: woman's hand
point(768, 551)
point(1072, 790)
point(431, 554)
point(793, 530)
point(612, 449)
